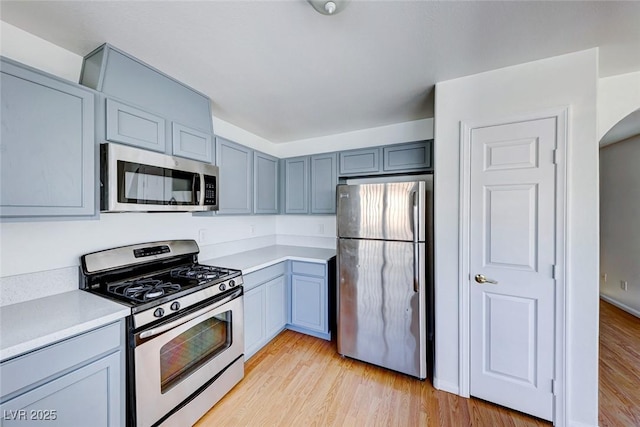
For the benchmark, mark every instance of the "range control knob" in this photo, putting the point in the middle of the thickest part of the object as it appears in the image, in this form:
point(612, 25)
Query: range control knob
point(159, 312)
point(222, 287)
point(175, 306)
point(232, 283)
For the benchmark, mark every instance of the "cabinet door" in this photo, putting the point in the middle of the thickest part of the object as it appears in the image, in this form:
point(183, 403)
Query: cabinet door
point(360, 162)
point(296, 185)
point(407, 157)
point(309, 303)
point(255, 333)
point(135, 127)
point(47, 166)
point(324, 178)
point(191, 143)
point(276, 305)
point(236, 182)
point(265, 183)
point(88, 393)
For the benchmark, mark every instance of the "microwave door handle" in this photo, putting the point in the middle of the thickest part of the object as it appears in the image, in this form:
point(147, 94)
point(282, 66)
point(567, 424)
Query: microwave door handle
point(202, 187)
point(196, 185)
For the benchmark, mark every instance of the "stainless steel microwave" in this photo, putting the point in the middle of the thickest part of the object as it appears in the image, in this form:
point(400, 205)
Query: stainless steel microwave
point(135, 180)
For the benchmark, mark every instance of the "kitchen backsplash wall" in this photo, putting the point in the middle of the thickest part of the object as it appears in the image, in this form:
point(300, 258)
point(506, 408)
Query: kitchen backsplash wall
point(42, 258)
point(28, 247)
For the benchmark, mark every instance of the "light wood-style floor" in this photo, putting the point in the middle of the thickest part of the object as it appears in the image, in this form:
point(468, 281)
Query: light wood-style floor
point(619, 367)
point(297, 380)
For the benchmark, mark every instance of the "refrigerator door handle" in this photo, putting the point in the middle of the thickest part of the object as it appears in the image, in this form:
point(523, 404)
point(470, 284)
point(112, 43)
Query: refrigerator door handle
point(416, 251)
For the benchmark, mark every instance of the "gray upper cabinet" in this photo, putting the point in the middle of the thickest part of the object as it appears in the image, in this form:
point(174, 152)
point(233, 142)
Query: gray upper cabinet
point(296, 185)
point(135, 127)
point(265, 183)
point(360, 162)
point(191, 143)
point(236, 181)
point(47, 143)
point(148, 108)
point(324, 178)
point(407, 157)
point(120, 75)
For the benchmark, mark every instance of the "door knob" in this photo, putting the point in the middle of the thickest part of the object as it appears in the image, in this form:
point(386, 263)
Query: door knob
point(481, 279)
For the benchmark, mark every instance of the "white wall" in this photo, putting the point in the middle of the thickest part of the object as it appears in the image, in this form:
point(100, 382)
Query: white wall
point(618, 96)
point(620, 223)
point(569, 80)
point(400, 132)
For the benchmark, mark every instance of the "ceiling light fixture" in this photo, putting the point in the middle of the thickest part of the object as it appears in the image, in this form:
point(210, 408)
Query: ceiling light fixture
point(330, 7)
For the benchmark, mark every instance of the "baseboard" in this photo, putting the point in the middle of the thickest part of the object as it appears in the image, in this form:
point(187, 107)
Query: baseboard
point(620, 305)
point(449, 387)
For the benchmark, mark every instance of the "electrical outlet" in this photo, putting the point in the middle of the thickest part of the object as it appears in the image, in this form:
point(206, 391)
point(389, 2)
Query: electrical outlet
point(320, 228)
point(252, 229)
point(603, 277)
point(202, 235)
point(623, 285)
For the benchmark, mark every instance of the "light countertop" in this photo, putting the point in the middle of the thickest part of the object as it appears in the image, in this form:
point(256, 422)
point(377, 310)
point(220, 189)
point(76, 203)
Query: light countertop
point(256, 259)
point(29, 325)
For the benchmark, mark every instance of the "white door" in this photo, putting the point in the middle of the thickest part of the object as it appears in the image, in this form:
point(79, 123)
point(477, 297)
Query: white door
point(512, 242)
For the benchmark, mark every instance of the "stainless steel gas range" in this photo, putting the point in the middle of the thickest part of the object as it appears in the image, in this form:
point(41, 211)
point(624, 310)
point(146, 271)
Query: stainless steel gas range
point(185, 339)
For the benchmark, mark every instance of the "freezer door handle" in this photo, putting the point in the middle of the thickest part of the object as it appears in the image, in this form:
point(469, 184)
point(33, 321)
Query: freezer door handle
point(416, 248)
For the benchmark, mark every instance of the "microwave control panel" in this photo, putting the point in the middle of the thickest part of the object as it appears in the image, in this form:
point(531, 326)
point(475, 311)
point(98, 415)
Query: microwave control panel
point(209, 190)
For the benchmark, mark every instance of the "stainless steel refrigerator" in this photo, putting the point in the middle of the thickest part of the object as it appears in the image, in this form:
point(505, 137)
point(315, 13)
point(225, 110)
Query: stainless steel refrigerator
point(384, 274)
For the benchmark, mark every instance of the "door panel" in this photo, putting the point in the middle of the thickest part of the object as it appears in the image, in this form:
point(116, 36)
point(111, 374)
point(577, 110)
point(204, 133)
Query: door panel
point(382, 211)
point(512, 242)
point(511, 215)
point(381, 317)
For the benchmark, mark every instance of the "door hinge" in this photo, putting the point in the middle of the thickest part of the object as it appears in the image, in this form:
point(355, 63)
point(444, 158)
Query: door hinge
point(553, 387)
point(553, 271)
point(555, 156)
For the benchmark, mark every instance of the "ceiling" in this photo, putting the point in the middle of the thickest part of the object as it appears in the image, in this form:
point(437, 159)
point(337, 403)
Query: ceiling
point(284, 72)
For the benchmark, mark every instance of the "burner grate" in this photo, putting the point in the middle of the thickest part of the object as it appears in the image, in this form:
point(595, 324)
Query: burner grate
point(143, 290)
point(199, 272)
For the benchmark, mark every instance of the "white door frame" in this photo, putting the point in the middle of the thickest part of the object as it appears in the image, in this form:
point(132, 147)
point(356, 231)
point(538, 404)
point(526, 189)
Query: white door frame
point(560, 274)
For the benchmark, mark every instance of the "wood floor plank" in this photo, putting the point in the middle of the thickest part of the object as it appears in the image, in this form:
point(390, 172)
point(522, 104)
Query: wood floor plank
point(298, 380)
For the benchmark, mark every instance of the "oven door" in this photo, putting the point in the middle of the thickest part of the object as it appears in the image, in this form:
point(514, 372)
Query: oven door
point(173, 360)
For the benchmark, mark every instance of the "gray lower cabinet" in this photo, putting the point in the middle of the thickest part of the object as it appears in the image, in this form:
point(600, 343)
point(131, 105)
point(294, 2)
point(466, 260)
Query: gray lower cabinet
point(255, 327)
point(47, 143)
point(235, 185)
point(70, 383)
point(265, 183)
point(309, 308)
point(296, 185)
point(276, 305)
point(265, 309)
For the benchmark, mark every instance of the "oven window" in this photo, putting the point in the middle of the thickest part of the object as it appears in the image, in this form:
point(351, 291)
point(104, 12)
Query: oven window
point(193, 348)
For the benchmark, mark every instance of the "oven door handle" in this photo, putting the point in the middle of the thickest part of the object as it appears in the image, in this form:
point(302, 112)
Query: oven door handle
point(163, 328)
